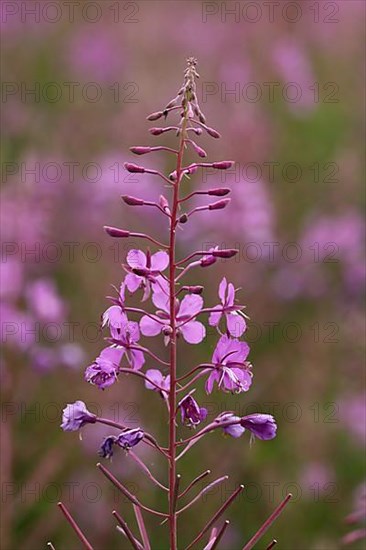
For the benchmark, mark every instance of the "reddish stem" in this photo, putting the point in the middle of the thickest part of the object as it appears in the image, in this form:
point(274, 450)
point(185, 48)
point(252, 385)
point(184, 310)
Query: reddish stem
point(267, 524)
point(173, 343)
point(75, 526)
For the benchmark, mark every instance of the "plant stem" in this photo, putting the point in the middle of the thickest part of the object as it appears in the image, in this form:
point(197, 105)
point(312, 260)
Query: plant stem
point(173, 343)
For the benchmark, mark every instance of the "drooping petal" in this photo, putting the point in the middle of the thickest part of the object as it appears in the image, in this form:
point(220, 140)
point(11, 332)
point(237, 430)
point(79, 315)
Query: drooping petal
point(150, 327)
point(159, 261)
point(263, 426)
point(193, 332)
point(236, 324)
point(136, 259)
point(190, 305)
point(160, 296)
point(213, 377)
point(235, 430)
point(215, 316)
point(155, 376)
point(137, 358)
point(132, 282)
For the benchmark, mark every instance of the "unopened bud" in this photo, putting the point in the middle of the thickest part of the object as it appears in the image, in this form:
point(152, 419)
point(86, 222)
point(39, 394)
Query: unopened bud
point(130, 167)
point(212, 132)
point(156, 131)
point(219, 192)
point(223, 165)
point(201, 152)
point(155, 116)
point(219, 205)
point(132, 201)
point(140, 150)
point(207, 261)
point(225, 253)
point(194, 289)
point(183, 218)
point(115, 232)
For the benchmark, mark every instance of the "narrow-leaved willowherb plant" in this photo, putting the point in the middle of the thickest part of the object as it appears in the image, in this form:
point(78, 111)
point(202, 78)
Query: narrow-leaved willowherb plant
point(159, 276)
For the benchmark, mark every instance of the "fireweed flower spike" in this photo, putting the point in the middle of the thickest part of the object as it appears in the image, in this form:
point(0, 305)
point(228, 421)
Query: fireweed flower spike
point(172, 308)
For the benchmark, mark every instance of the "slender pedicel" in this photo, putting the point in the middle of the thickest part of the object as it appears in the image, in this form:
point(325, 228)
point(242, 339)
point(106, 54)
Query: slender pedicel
point(75, 526)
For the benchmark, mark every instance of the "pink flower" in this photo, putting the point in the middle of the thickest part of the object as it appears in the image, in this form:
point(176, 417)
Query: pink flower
point(232, 371)
point(192, 331)
point(144, 270)
point(235, 321)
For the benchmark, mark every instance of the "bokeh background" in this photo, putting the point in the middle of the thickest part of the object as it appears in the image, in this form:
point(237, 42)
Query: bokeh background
point(283, 83)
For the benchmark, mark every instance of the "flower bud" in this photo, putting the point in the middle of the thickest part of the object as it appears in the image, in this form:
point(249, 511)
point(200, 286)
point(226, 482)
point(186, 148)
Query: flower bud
point(207, 261)
point(115, 232)
point(156, 131)
point(132, 201)
point(194, 289)
point(130, 167)
point(213, 133)
point(183, 218)
point(200, 152)
point(219, 205)
point(155, 116)
point(225, 253)
point(140, 150)
point(219, 192)
point(223, 165)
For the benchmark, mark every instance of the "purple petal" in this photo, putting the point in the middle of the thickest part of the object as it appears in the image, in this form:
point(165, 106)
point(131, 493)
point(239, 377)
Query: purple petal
point(132, 282)
point(190, 305)
point(159, 261)
point(112, 354)
point(193, 332)
point(160, 296)
point(215, 316)
point(156, 376)
point(222, 290)
point(214, 377)
point(263, 426)
point(136, 259)
point(236, 324)
point(137, 358)
point(235, 430)
point(150, 327)
point(230, 295)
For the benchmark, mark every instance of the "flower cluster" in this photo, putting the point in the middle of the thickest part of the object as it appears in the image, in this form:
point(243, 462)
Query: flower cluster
point(172, 312)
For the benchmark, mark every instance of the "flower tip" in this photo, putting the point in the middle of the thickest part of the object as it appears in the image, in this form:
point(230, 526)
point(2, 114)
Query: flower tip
point(140, 150)
point(115, 232)
point(219, 205)
point(213, 133)
point(132, 201)
point(223, 165)
point(225, 253)
point(219, 192)
point(155, 116)
point(131, 167)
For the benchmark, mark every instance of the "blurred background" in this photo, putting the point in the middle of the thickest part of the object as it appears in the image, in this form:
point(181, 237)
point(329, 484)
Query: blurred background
point(283, 83)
